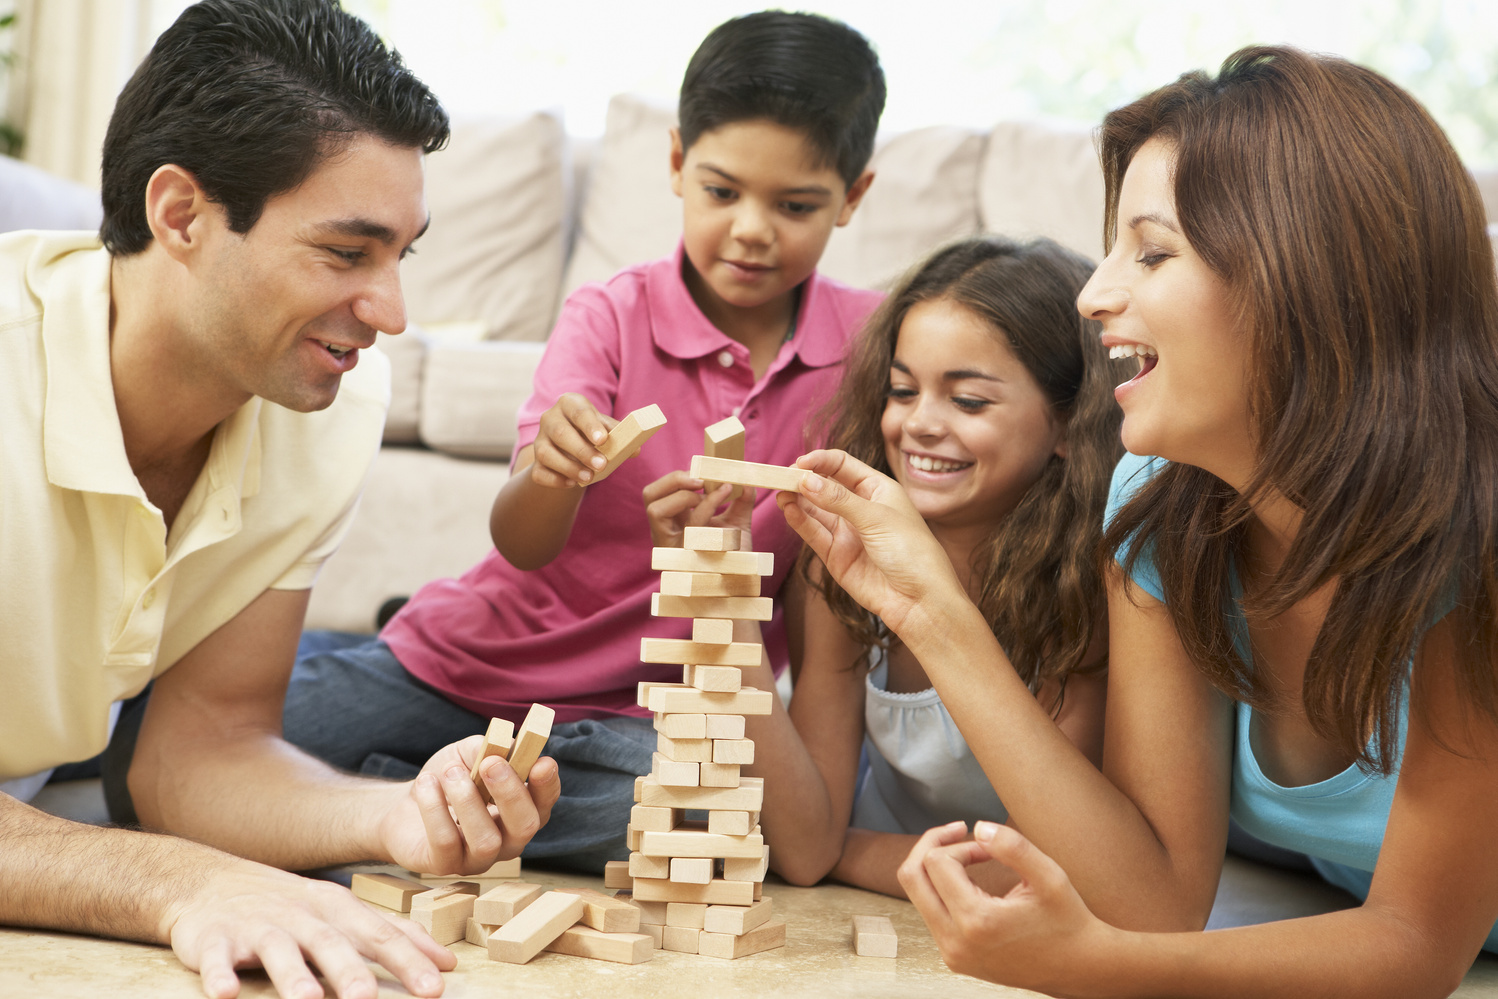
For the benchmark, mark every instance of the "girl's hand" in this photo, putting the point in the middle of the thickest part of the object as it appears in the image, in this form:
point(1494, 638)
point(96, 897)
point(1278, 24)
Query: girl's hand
point(676, 501)
point(863, 527)
point(1033, 937)
point(566, 447)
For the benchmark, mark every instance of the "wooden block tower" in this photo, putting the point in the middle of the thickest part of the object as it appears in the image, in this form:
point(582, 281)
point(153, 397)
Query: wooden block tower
point(700, 881)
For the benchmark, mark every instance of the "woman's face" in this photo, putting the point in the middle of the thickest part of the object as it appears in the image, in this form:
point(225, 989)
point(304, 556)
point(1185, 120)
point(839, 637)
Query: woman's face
point(1158, 301)
point(967, 429)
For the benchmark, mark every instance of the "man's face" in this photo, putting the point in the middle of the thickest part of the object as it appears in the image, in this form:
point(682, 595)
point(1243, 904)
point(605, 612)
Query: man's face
point(283, 311)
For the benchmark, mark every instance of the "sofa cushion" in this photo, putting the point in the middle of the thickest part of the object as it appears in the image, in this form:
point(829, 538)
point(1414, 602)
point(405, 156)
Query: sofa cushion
point(407, 354)
point(1043, 179)
point(31, 198)
point(470, 393)
point(494, 251)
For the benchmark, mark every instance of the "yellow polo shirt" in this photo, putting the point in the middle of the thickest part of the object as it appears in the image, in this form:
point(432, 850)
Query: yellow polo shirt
point(96, 598)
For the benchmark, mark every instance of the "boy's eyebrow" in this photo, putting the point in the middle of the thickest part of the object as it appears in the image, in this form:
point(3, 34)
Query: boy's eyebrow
point(362, 228)
point(809, 189)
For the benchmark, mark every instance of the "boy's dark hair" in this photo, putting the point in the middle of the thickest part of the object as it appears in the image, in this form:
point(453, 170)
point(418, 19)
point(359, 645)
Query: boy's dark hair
point(249, 96)
point(800, 70)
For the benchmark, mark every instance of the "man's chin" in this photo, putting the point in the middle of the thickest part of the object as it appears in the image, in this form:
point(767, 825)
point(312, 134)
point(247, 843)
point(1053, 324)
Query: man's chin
point(306, 399)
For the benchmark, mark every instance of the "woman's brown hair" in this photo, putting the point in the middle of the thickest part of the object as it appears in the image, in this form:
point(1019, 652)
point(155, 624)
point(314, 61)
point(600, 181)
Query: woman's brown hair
point(1352, 243)
point(1038, 583)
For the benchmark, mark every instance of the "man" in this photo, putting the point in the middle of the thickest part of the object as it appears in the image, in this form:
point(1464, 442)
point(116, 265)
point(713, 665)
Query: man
point(178, 460)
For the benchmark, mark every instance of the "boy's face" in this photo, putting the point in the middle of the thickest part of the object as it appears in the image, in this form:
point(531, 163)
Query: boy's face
point(757, 210)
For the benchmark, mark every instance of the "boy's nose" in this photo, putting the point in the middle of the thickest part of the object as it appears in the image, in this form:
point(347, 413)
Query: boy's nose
point(751, 224)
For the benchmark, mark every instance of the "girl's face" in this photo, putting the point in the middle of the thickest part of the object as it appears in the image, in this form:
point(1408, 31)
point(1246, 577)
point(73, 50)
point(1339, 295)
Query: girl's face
point(967, 429)
point(1160, 302)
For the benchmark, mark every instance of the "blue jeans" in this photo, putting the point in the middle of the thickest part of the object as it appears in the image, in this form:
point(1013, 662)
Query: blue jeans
point(352, 704)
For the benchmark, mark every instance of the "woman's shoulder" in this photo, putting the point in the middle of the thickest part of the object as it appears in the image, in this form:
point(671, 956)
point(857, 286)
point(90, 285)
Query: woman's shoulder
point(1129, 476)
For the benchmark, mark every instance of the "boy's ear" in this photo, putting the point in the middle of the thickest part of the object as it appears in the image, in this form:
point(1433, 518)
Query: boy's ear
point(177, 210)
point(856, 191)
point(678, 157)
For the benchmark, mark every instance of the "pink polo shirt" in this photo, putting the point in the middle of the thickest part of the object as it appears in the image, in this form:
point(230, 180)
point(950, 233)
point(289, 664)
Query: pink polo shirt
point(568, 635)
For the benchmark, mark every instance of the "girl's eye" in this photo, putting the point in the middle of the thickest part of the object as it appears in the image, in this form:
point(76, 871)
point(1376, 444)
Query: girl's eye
point(969, 404)
point(900, 392)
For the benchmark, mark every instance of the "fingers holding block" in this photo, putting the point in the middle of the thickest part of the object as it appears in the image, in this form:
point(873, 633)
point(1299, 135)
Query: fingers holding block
point(531, 739)
point(498, 741)
point(627, 436)
point(747, 473)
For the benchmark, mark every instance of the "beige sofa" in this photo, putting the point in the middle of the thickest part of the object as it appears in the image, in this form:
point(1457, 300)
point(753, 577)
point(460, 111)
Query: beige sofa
point(522, 215)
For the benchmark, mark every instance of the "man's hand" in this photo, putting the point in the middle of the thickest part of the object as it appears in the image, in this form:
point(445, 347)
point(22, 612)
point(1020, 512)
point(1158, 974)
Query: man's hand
point(676, 501)
point(566, 446)
point(246, 915)
point(440, 824)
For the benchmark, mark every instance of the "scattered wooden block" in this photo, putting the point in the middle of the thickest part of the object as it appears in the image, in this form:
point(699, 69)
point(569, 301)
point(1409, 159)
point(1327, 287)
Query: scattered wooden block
point(691, 870)
point(749, 796)
point(541, 922)
point(621, 948)
point(687, 914)
point(498, 741)
point(748, 473)
point(641, 866)
point(724, 439)
point(679, 726)
point(531, 739)
point(719, 679)
point(430, 897)
point(447, 918)
point(874, 936)
point(766, 937)
point(500, 869)
point(616, 874)
point(624, 441)
point(653, 818)
point(716, 892)
point(723, 727)
point(747, 869)
point(738, 563)
point(710, 539)
point(736, 920)
point(701, 844)
point(731, 823)
point(738, 608)
point(680, 939)
point(718, 774)
point(669, 698)
point(712, 631)
point(606, 913)
point(733, 751)
point(499, 904)
point(477, 933)
point(669, 772)
point(709, 584)
point(686, 750)
point(677, 650)
point(657, 932)
point(387, 889)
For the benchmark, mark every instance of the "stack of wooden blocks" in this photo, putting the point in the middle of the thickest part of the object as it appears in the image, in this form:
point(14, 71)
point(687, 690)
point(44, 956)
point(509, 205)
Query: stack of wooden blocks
point(698, 884)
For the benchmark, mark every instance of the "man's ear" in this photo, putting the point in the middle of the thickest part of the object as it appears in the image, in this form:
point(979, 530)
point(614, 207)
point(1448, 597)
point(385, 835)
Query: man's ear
point(177, 210)
point(678, 157)
point(856, 191)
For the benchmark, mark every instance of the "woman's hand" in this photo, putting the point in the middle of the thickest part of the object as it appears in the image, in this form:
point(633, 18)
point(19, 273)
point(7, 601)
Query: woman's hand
point(676, 501)
point(566, 447)
point(1036, 936)
point(863, 527)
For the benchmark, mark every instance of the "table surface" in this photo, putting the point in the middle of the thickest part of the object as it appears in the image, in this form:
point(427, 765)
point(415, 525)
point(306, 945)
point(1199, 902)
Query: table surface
point(817, 959)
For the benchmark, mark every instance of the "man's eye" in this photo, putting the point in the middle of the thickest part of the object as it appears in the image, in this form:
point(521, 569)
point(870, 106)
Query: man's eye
point(348, 256)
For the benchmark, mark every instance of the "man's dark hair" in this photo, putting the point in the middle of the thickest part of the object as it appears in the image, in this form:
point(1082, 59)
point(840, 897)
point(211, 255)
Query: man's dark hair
point(250, 96)
point(802, 71)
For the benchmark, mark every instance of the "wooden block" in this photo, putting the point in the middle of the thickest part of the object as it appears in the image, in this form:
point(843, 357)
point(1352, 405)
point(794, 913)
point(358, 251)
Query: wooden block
point(477, 933)
point(718, 774)
point(641, 866)
point(712, 631)
point(430, 897)
point(621, 948)
point(719, 679)
point(446, 919)
point(691, 870)
point(731, 823)
point(715, 892)
point(650, 912)
point(733, 751)
point(499, 904)
point(531, 739)
point(680, 939)
point(723, 727)
point(632, 837)
point(749, 796)
point(747, 869)
point(738, 608)
point(680, 726)
point(625, 439)
point(701, 844)
point(500, 869)
point(669, 772)
point(874, 936)
point(669, 698)
point(762, 938)
point(616, 874)
point(606, 913)
point(639, 787)
point(653, 818)
point(687, 914)
point(537, 925)
point(738, 563)
point(685, 750)
point(747, 473)
point(498, 741)
point(736, 920)
point(677, 650)
point(709, 584)
point(724, 439)
point(387, 889)
point(657, 933)
point(710, 539)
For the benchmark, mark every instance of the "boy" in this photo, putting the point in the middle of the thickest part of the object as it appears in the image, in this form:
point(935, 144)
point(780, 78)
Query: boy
point(778, 114)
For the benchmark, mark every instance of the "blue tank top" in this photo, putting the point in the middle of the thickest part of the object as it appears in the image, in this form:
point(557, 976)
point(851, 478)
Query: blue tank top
point(1339, 822)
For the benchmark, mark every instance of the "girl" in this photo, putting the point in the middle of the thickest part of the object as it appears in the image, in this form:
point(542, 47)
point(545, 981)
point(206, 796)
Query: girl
point(985, 394)
point(1303, 625)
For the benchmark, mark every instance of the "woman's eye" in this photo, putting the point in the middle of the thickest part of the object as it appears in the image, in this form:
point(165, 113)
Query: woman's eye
point(969, 404)
point(1151, 259)
point(900, 392)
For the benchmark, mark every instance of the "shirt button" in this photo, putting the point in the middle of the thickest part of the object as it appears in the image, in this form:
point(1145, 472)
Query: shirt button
point(148, 599)
point(726, 359)
point(753, 414)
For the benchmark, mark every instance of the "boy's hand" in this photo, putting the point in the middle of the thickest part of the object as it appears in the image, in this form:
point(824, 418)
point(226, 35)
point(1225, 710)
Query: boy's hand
point(566, 447)
point(676, 501)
